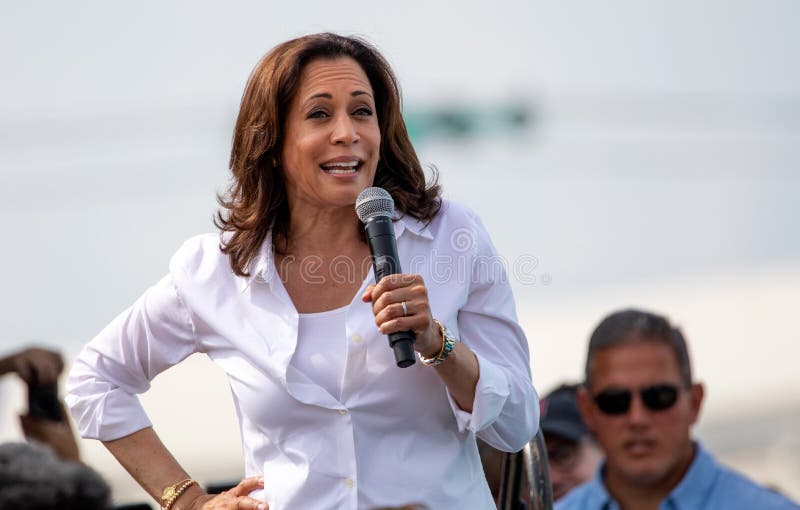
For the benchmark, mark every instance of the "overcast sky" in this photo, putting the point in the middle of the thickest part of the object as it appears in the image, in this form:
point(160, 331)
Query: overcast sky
point(661, 169)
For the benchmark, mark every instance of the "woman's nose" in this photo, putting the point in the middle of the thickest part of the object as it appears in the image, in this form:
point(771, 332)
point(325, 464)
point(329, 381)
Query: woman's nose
point(344, 130)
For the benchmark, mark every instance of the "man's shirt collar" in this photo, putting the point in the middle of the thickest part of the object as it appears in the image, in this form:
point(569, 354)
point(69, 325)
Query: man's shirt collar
point(696, 484)
point(689, 494)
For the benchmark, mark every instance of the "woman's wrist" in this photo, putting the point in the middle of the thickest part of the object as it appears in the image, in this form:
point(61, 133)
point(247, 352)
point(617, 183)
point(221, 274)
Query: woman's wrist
point(446, 345)
point(190, 498)
point(434, 347)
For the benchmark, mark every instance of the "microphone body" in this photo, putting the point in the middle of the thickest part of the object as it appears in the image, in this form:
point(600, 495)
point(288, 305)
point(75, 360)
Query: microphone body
point(383, 248)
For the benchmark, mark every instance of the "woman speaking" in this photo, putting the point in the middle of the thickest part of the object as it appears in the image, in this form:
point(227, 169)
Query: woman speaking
point(284, 300)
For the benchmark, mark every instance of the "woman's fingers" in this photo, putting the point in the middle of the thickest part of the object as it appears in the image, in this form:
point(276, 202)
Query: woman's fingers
point(388, 298)
point(416, 313)
point(226, 501)
point(387, 293)
point(238, 497)
point(388, 283)
point(247, 485)
point(247, 503)
point(395, 281)
point(367, 295)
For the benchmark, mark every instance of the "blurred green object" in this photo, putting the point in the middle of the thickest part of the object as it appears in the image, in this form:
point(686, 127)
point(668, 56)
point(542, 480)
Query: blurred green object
point(465, 121)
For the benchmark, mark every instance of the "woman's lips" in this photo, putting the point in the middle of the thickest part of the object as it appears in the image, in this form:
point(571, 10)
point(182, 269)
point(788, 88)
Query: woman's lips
point(342, 167)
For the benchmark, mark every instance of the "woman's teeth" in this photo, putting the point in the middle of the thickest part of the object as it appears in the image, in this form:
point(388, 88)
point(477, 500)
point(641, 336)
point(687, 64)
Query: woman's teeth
point(349, 167)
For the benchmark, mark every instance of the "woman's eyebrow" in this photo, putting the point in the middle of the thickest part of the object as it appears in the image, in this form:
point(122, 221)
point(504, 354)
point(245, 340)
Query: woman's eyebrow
point(328, 95)
point(325, 95)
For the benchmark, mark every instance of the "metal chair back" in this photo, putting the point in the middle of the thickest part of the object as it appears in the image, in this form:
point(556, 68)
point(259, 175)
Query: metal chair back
point(525, 483)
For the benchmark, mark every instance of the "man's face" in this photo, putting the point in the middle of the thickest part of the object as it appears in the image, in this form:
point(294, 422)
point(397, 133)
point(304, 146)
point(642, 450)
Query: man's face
point(571, 463)
point(643, 447)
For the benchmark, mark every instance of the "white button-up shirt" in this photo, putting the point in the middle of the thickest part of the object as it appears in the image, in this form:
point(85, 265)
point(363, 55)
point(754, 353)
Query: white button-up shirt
point(394, 437)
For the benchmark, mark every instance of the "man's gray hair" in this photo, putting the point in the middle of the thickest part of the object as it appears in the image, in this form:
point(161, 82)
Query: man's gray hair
point(632, 326)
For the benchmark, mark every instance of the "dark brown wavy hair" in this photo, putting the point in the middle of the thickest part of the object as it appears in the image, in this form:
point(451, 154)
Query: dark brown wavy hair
point(255, 202)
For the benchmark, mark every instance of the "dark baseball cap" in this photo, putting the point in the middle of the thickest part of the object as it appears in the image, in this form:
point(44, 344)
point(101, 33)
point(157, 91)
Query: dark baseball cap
point(560, 415)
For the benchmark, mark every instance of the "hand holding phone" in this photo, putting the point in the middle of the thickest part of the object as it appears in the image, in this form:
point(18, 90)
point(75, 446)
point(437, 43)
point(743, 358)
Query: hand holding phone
point(43, 401)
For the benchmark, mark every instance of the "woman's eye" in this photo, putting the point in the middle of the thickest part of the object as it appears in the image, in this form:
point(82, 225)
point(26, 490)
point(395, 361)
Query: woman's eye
point(316, 114)
point(363, 111)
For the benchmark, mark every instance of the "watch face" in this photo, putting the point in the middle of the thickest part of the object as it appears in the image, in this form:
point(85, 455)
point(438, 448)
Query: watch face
point(168, 494)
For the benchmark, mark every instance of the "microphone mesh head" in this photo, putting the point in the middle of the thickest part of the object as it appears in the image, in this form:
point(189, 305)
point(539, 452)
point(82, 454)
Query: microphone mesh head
point(374, 202)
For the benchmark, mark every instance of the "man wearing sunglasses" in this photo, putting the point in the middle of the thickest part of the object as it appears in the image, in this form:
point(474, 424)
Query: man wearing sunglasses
point(640, 401)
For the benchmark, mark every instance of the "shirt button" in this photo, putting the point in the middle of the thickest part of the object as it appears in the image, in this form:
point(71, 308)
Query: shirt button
point(357, 338)
point(342, 411)
point(349, 483)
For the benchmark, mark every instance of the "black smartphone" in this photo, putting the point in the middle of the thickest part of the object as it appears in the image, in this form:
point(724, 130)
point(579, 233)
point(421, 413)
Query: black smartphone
point(43, 402)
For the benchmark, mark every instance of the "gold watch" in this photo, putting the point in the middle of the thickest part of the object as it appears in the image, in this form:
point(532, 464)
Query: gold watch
point(173, 492)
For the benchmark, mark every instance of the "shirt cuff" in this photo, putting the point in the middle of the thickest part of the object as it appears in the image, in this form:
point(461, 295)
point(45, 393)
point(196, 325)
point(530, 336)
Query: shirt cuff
point(491, 394)
point(107, 415)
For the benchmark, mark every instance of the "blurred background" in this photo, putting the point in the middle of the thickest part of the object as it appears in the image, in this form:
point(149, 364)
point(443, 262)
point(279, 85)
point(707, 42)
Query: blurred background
point(621, 153)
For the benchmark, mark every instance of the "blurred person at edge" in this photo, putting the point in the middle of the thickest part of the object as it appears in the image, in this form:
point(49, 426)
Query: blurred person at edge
point(45, 473)
point(640, 401)
point(327, 418)
point(42, 367)
point(572, 453)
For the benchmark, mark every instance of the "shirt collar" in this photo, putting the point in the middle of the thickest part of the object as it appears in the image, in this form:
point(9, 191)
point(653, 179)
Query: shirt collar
point(413, 225)
point(689, 494)
point(597, 496)
point(696, 483)
point(263, 264)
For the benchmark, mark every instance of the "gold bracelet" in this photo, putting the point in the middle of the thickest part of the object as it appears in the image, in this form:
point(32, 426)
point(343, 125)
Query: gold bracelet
point(448, 343)
point(173, 492)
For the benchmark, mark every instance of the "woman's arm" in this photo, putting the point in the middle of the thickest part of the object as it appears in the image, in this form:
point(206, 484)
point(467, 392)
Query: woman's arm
point(487, 374)
point(505, 412)
point(460, 371)
point(155, 333)
point(149, 462)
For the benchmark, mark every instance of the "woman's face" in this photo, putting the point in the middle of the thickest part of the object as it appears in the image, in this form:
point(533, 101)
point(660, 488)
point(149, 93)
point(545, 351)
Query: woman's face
point(332, 139)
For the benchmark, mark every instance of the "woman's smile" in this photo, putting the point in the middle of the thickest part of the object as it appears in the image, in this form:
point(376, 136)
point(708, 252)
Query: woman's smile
point(343, 166)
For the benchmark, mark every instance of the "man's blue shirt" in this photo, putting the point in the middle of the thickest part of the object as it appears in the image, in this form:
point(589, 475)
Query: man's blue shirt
point(707, 485)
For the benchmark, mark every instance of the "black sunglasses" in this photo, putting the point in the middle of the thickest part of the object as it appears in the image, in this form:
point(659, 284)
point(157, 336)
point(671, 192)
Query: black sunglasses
point(618, 401)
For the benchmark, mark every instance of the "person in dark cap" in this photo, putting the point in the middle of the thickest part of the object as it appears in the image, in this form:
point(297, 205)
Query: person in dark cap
point(572, 453)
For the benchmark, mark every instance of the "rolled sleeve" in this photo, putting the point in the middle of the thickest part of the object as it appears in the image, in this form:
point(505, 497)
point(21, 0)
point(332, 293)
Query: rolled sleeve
point(505, 411)
point(491, 394)
point(155, 333)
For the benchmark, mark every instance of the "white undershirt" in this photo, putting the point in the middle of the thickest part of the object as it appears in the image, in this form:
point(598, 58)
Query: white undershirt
point(321, 346)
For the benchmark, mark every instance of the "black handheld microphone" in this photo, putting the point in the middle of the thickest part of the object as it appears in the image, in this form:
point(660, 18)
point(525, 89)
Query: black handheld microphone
point(374, 207)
